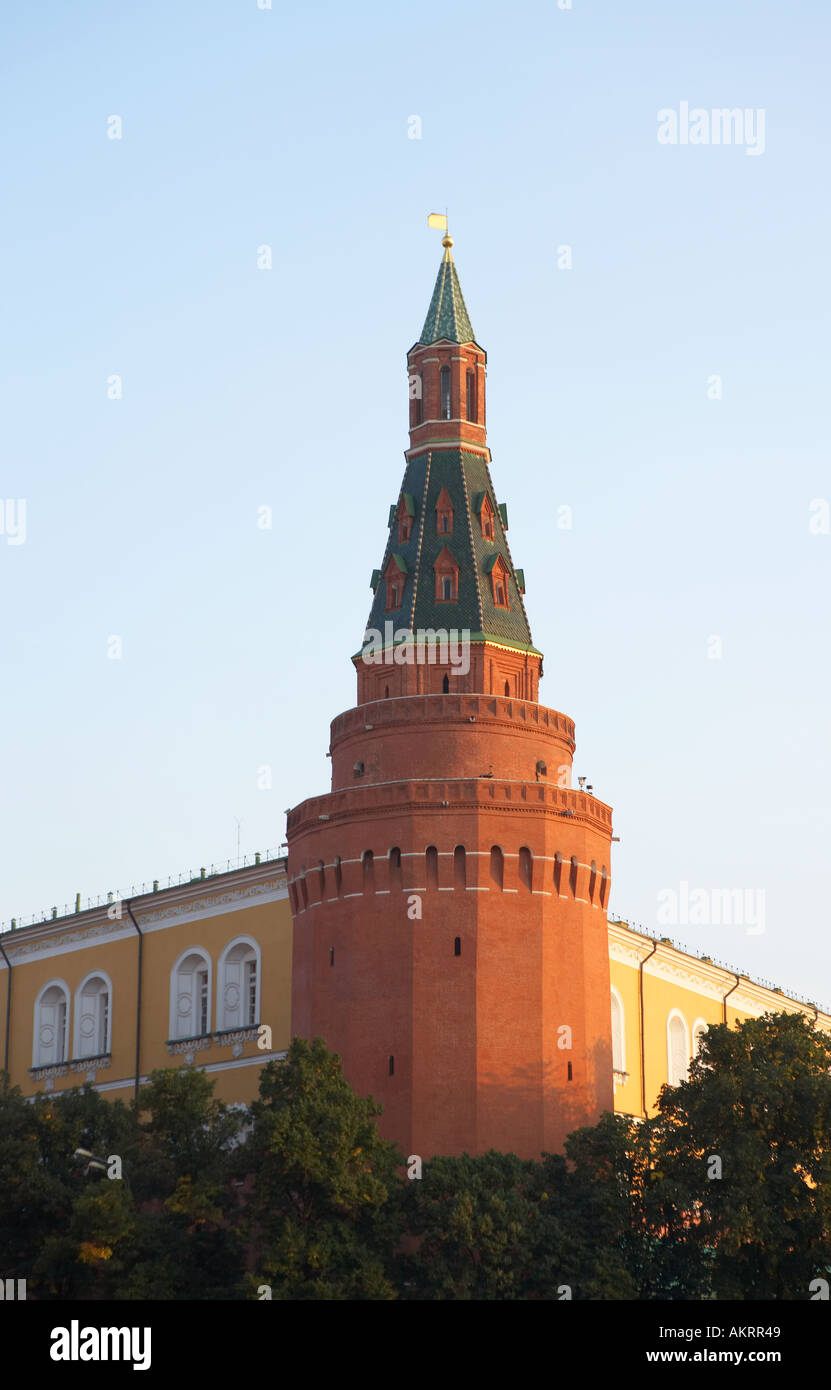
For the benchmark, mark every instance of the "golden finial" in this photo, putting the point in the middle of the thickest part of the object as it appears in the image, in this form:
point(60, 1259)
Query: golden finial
point(447, 240)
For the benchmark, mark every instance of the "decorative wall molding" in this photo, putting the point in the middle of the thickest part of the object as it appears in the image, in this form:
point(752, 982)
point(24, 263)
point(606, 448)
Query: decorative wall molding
point(80, 938)
point(178, 1046)
point(92, 1064)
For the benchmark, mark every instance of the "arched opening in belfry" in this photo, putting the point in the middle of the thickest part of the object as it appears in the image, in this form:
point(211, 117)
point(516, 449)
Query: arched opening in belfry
point(497, 866)
point(459, 867)
point(572, 877)
point(369, 871)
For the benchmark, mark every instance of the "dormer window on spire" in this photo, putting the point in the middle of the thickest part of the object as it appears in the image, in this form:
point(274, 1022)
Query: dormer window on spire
point(444, 514)
point(394, 578)
point(499, 574)
point(446, 570)
point(486, 517)
point(406, 513)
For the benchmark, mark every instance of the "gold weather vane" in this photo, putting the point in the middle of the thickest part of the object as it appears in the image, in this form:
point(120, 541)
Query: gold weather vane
point(439, 220)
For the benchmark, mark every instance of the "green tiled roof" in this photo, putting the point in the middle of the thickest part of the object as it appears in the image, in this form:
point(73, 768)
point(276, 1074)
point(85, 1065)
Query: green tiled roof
point(466, 476)
point(447, 316)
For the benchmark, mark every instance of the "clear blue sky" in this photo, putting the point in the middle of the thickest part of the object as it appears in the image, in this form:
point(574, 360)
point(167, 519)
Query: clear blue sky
point(244, 388)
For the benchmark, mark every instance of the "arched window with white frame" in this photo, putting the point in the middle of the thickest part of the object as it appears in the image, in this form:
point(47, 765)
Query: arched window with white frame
point(678, 1047)
point(190, 995)
point(51, 1032)
point(93, 1015)
point(238, 993)
point(698, 1030)
point(618, 1034)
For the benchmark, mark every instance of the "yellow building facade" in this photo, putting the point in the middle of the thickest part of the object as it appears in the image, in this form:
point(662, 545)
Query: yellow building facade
point(662, 1000)
point(194, 975)
point(200, 974)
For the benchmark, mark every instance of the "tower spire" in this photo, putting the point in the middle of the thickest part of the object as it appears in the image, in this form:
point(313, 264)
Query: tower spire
point(446, 564)
point(447, 318)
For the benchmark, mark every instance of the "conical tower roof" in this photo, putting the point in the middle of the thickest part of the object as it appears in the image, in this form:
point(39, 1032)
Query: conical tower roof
point(465, 478)
point(447, 316)
point(454, 475)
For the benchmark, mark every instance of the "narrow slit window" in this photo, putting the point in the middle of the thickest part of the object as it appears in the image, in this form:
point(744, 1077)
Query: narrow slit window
point(457, 946)
point(392, 1065)
point(445, 393)
point(471, 395)
point(395, 869)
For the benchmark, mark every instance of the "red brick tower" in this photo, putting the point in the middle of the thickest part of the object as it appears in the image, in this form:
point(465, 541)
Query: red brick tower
point(449, 894)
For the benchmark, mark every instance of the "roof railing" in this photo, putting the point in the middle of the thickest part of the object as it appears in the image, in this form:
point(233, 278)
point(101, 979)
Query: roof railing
point(137, 890)
point(713, 960)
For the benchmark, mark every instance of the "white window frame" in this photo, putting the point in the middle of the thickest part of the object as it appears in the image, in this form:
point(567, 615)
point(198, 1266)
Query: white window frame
point(202, 954)
point(77, 1016)
point(699, 1023)
point(222, 1024)
point(616, 994)
point(37, 1060)
point(677, 1014)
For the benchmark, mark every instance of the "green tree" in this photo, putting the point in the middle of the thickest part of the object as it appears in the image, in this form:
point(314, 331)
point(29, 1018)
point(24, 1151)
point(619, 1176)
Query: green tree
point(324, 1194)
point(473, 1223)
point(741, 1184)
point(592, 1235)
point(165, 1229)
point(45, 1214)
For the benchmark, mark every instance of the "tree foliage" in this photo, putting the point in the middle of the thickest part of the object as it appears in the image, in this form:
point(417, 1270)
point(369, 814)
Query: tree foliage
point(725, 1193)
